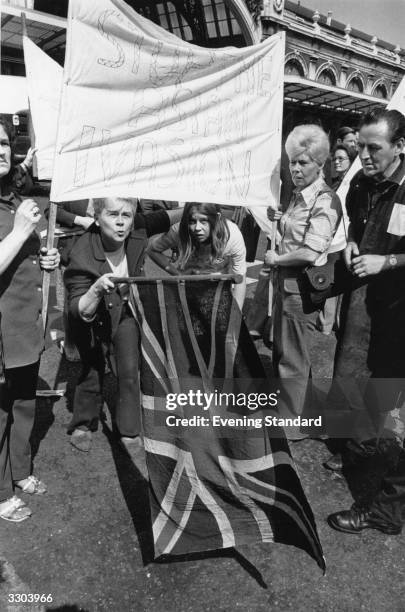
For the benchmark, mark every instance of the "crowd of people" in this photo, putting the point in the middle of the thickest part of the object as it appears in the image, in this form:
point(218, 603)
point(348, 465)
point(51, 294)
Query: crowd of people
point(365, 309)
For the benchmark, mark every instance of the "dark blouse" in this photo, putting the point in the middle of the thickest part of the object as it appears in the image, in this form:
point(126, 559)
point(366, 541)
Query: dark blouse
point(20, 294)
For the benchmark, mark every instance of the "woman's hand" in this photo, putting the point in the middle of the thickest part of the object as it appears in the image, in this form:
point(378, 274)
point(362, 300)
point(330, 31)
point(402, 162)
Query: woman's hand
point(103, 285)
point(351, 251)
point(27, 217)
point(270, 259)
point(273, 214)
point(90, 301)
point(367, 265)
point(49, 259)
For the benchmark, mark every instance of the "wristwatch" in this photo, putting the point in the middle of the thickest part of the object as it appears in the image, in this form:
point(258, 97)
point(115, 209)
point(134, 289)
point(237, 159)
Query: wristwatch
point(392, 260)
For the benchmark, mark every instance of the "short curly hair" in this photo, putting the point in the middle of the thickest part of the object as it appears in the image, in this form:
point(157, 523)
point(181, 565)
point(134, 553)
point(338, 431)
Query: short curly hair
point(99, 204)
point(310, 139)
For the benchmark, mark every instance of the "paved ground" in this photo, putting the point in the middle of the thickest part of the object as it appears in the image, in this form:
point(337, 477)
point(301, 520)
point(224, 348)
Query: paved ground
point(88, 544)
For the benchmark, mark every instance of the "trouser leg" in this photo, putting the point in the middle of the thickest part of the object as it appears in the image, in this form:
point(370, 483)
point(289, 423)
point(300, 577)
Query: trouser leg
point(88, 400)
point(389, 503)
point(292, 361)
point(17, 413)
point(126, 354)
point(6, 480)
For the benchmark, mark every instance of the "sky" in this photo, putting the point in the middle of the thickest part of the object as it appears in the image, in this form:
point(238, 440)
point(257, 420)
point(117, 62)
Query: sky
point(382, 18)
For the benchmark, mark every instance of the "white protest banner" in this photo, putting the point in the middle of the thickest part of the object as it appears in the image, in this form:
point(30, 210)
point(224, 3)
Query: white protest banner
point(14, 95)
point(146, 114)
point(397, 102)
point(44, 80)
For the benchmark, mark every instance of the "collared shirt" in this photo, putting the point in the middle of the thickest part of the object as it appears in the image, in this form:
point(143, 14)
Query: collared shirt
point(310, 220)
point(377, 221)
point(20, 294)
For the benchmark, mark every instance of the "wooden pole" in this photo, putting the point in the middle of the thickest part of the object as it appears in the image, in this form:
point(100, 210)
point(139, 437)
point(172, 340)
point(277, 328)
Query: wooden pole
point(271, 279)
point(235, 278)
point(46, 277)
point(24, 24)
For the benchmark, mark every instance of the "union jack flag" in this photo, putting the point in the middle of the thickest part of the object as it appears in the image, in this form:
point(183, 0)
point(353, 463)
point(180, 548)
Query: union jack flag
point(211, 487)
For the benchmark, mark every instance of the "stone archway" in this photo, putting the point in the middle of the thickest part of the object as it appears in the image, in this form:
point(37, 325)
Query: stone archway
point(252, 32)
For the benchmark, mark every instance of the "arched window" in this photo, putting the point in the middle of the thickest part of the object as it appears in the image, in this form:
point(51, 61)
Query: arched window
point(355, 85)
point(381, 92)
point(327, 78)
point(294, 67)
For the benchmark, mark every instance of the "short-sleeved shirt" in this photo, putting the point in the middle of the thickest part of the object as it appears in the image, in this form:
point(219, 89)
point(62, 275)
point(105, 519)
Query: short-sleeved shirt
point(310, 220)
point(20, 295)
point(233, 259)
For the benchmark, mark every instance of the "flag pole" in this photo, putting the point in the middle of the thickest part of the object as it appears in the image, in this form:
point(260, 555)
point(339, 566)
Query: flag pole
point(235, 278)
point(271, 272)
point(46, 276)
point(23, 24)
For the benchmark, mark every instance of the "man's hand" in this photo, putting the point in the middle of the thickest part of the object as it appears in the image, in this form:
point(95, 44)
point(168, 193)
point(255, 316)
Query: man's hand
point(367, 265)
point(27, 217)
point(273, 214)
point(351, 251)
point(270, 259)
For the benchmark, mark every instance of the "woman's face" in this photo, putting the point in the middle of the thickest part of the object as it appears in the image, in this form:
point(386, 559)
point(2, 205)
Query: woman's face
point(341, 161)
point(199, 226)
point(304, 170)
point(115, 222)
point(5, 153)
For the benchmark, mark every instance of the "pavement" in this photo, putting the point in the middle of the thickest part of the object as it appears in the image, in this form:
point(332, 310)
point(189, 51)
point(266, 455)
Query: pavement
point(87, 546)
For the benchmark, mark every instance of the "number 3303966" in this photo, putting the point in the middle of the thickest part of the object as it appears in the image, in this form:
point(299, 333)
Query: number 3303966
point(29, 598)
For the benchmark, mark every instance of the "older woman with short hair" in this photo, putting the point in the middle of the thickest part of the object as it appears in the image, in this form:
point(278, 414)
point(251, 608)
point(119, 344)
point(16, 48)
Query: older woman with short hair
point(102, 321)
point(307, 228)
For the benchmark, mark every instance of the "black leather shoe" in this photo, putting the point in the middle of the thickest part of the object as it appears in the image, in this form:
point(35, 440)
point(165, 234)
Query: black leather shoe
point(355, 520)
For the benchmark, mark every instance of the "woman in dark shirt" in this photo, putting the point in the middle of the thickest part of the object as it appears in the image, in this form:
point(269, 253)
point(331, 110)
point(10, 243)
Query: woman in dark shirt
point(21, 258)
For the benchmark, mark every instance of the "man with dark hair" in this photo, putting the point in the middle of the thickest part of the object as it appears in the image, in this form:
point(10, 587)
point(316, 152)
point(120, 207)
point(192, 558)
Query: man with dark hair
point(371, 348)
point(347, 136)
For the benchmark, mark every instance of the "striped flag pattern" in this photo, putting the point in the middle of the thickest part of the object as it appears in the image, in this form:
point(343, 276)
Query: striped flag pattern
point(211, 487)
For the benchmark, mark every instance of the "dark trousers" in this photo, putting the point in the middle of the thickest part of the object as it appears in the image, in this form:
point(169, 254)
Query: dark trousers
point(389, 503)
point(17, 412)
point(378, 465)
point(88, 398)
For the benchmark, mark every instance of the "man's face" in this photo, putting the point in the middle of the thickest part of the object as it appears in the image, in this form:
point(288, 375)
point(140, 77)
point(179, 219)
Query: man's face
point(350, 140)
point(377, 153)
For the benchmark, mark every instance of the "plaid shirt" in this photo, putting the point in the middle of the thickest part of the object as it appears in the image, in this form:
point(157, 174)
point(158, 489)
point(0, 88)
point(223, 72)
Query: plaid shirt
point(310, 220)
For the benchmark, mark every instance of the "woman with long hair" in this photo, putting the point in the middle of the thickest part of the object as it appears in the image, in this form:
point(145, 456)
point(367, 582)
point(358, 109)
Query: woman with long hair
point(207, 243)
point(21, 260)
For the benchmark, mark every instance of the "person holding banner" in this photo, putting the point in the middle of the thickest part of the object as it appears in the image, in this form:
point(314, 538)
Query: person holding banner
point(307, 228)
point(206, 242)
point(21, 260)
point(102, 321)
